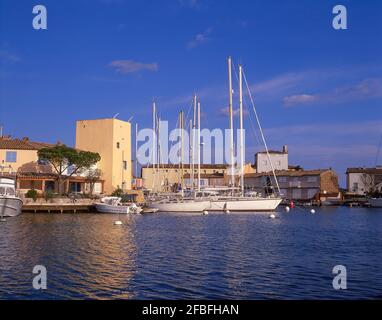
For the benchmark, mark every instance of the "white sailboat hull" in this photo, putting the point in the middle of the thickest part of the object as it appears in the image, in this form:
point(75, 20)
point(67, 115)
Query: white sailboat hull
point(375, 202)
point(181, 206)
point(245, 204)
point(10, 206)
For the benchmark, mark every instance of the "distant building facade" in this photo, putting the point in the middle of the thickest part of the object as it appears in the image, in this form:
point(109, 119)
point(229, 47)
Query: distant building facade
point(362, 181)
point(279, 160)
point(168, 177)
point(111, 138)
point(297, 184)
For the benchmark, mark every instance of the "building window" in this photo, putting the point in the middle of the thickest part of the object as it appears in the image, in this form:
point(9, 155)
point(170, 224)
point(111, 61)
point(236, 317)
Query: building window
point(312, 193)
point(124, 165)
point(355, 186)
point(312, 179)
point(278, 163)
point(265, 162)
point(282, 179)
point(117, 145)
point(10, 156)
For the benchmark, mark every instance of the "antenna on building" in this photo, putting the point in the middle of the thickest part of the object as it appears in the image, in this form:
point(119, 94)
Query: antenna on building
point(131, 118)
point(116, 115)
point(1, 131)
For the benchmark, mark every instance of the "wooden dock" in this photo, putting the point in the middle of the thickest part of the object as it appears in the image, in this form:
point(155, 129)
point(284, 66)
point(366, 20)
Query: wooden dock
point(57, 208)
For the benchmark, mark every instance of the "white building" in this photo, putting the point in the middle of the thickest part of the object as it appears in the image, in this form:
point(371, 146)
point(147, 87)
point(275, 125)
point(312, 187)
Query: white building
point(279, 160)
point(361, 181)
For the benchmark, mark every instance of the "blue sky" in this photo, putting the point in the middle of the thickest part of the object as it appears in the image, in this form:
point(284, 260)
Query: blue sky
point(317, 89)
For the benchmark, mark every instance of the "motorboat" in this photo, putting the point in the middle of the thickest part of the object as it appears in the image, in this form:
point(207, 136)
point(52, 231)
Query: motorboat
point(114, 205)
point(10, 204)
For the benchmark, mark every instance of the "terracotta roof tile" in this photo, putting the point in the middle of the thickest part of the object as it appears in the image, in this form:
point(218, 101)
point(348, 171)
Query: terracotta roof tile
point(21, 144)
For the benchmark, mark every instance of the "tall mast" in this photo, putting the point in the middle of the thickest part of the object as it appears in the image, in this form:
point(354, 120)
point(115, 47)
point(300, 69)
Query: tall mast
point(193, 143)
point(191, 155)
point(154, 134)
point(154, 144)
point(231, 120)
point(182, 147)
point(158, 144)
point(198, 147)
point(241, 130)
point(136, 150)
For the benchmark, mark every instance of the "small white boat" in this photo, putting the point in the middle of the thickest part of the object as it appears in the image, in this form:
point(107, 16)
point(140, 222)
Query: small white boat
point(10, 205)
point(114, 205)
point(375, 202)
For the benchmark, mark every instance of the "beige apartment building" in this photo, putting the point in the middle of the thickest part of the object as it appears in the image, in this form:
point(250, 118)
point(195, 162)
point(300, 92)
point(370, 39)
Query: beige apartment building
point(111, 138)
point(167, 177)
point(19, 160)
point(14, 153)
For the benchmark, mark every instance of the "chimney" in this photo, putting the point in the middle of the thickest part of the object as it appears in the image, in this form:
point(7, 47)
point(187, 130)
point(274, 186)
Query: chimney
point(285, 149)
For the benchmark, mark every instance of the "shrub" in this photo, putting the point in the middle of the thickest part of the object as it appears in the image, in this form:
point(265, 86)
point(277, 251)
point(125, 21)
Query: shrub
point(48, 195)
point(32, 194)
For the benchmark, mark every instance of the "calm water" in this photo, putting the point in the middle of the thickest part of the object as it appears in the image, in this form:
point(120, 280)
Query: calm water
point(168, 256)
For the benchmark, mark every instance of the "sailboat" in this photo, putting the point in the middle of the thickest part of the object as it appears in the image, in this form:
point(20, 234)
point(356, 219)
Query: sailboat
point(180, 203)
point(243, 202)
point(199, 200)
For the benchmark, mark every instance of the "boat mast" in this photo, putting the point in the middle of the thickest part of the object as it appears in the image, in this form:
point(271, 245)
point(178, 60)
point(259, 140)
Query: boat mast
point(154, 134)
point(158, 144)
point(261, 132)
point(182, 147)
point(154, 142)
point(231, 120)
point(136, 152)
point(241, 130)
point(193, 144)
point(198, 146)
point(191, 155)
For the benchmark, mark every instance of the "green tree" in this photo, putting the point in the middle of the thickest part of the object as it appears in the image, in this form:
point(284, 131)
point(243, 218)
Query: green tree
point(62, 157)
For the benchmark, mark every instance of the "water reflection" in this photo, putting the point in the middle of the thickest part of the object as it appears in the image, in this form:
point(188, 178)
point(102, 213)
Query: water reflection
point(86, 256)
point(172, 256)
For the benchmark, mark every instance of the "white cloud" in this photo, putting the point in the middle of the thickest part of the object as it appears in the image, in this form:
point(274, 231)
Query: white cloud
point(298, 99)
point(200, 38)
point(130, 66)
point(365, 89)
point(236, 112)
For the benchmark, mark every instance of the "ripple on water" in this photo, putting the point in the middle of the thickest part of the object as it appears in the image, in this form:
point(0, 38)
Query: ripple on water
point(188, 257)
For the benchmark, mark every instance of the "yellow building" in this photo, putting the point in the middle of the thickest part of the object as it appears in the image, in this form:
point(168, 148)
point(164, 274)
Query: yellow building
point(111, 138)
point(167, 177)
point(19, 160)
point(14, 153)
